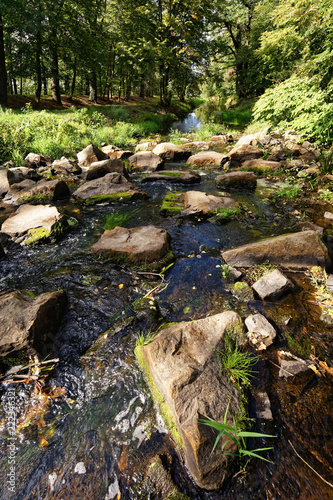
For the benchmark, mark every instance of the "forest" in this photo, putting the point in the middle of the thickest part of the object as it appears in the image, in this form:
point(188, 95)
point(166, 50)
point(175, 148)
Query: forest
point(277, 52)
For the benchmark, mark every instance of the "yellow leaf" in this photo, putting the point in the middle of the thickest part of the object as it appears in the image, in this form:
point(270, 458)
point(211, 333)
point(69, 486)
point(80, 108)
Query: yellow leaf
point(121, 286)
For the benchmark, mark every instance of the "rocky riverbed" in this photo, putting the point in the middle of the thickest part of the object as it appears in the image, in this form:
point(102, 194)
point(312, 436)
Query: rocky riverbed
point(133, 269)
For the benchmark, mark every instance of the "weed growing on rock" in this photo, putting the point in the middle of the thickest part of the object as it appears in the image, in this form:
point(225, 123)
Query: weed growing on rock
point(235, 434)
point(254, 273)
point(237, 364)
point(326, 162)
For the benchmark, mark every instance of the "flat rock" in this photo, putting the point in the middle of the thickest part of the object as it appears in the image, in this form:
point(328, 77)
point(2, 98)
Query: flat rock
point(290, 368)
point(183, 364)
point(111, 187)
point(167, 150)
point(242, 153)
point(175, 176)
point(139, 244)
point(35, 160)
point(208, 158)
point(30, 323)
point(101, 168)
point(272, 286)
point(146, 161)
point(197, 145)
point(259, 164)
point(260, 332)
point(237, 181)
point(291, 251)
point(91, 154)
point(65, 166)
point(198, 202)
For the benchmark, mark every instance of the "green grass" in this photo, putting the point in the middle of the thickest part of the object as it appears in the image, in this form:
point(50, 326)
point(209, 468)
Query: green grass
point(254, 273)
point(118, 219)
point(171, 203)
point(237, 365)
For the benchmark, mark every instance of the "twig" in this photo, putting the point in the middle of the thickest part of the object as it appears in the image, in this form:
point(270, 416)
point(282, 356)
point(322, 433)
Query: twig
point(28, 367)
point(299, 456)
point(277, 366)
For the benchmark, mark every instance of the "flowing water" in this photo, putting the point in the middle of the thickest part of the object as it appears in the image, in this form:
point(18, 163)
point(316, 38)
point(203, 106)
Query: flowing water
point(189, 124)
point(96, 441)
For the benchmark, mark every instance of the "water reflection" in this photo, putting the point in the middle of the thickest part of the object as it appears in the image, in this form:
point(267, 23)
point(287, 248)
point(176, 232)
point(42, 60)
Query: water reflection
point(191, 122)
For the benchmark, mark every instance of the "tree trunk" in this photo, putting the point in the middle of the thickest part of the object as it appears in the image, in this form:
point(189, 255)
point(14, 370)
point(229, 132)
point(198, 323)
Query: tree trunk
point(3, 73)
point(55, 70)
point(15, 86)
point(38, 65)
point(93, 87)
point(142, 89)
point(73, 80)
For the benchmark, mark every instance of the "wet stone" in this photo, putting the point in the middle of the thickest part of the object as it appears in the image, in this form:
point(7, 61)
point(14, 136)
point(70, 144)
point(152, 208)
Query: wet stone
point(272, 286)
point(208, 158)
point(260, 332)
point(174, 176)
point(242, 291)
point(196, 202)
point(146, 161)
point(290, 368)
point(103, 167)
point(237, 181)
point(167, 150)
point(262, 405)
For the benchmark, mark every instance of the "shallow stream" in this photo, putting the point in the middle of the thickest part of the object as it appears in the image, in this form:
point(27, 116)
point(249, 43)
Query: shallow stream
point(96, 441)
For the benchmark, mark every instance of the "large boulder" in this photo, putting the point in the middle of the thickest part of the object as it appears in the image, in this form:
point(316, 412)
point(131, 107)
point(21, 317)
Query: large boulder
point(23, 173)
point(258, 138)
point(146, 146)
point(291, 251)
point(6, 179)
point(169, 151)
point(146, 161)
point(242, 153)
point(182, 362)
point(32, 223)
point(44, 191)
point(140, 245)
point(35, 160)
point(111, 187)
point(101, 168)
point(196, 202)
point(208, 158)
point(30, 323)
point(66, 167)
point(237, 181)
point(91, 154)
point(175, 176)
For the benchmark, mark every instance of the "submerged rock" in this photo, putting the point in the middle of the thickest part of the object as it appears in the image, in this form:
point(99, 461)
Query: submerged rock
point(30, 323)
point(237, 181)
point(33, 223)
point(272, 285)
point(290, 251)
point(242, 291)
point(91, 154)
point(111, 187)
point(167, 150)
point(176, 176)
point(184, 367)
point(208, 158)
point(146, 161)
point(101, 168)
point(260, 332)
point(198, 202)
point(290, 368)
point(159, 480)
point(139, 245)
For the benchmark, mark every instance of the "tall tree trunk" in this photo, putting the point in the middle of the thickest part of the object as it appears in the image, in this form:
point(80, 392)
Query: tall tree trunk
point(15, 86)
point(93, 87)
point(73, 80)
point(142, 89)
point(3, 73)
point(38, 65)
point(55, 70)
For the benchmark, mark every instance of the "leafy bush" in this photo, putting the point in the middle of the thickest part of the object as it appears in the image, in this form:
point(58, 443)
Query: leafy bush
point(300, 104)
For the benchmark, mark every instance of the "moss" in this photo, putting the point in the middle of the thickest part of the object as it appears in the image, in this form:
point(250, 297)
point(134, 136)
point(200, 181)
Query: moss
point(300, 346)
point(100, 198)
point(124, 260)
point(242, 291)
point(228, 213)
point(37, 234)
point(158, 398)
point(173, 174)
point(172, 204)
point(177, 496)
point(36, 199)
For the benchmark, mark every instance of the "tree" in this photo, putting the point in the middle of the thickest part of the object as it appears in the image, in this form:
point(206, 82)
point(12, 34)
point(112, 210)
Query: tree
point(3, 72)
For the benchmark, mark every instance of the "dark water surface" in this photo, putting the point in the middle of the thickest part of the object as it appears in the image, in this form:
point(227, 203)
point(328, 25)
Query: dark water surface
point(96, 442)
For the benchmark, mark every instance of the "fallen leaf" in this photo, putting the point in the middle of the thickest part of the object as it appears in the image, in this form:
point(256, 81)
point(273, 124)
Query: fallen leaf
point(121, 286)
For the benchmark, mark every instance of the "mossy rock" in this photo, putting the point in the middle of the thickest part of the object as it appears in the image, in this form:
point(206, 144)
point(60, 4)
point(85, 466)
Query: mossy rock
point(37, 235)
point(172, 204)
point(242, 291)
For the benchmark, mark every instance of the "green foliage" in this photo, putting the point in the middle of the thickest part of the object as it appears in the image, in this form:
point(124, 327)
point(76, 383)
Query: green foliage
point(118, 219)
point(237, 364)
point(288, 193)
point(172, 204)
point(325, 160)
point(299, 345)
point(300, 104)
point(143, 339)
point(228, 213)
point(174, 136)
point(254, 273)
point(236, 435)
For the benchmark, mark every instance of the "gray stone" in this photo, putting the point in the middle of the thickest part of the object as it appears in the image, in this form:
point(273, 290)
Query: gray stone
point(167, 150)
point(328, 216)
point(140, 245)
point(272, 285)
point(237, 181)
point(45, 191)
point(65, 166)
point(101, 168)
point(259, 164)
point(240, 154)
point(290, 251)
point(6, 178)
point(37, 160)
point(111, 187)
point(91, 154)
point(183, 364)
point(260, 332)
point(30, 323)
point(263, 405)
point(146, 161)
point(290, 368)
point(174, 176)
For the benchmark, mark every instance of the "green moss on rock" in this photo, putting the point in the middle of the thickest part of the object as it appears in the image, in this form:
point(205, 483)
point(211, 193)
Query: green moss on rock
point(36, 235)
